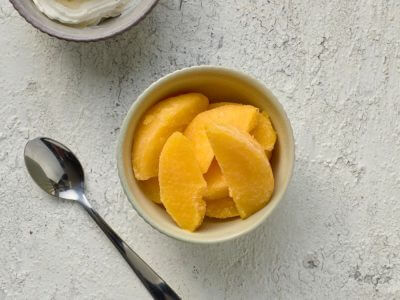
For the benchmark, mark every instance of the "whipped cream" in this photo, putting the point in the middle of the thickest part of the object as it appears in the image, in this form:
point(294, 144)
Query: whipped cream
point(80, 12)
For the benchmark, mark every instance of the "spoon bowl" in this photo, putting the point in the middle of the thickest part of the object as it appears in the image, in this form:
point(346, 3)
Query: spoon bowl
point(54, 168)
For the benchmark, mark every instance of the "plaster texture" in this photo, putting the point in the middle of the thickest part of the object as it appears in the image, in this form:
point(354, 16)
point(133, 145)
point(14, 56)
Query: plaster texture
point(335, 66)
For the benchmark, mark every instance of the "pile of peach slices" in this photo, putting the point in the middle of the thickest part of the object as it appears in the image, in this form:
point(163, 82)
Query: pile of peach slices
point(199, 159)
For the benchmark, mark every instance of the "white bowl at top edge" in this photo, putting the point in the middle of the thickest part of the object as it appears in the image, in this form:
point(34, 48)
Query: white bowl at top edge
point(130, 17)
point(218, 84)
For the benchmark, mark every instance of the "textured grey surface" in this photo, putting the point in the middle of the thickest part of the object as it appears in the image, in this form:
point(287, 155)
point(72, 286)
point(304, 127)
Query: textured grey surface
point(335, 66)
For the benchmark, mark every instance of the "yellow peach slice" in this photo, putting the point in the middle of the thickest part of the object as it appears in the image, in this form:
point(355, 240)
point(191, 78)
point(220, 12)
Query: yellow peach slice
point(264, 133)
point(245, 167)
point(217, 187)
point(151, 189)
point(243, 117)
point(159, 122)
point(182, 185)
point(221, 208)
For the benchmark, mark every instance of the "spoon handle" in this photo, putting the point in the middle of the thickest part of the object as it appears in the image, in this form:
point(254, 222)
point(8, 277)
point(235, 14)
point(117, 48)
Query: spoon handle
point(156, 286)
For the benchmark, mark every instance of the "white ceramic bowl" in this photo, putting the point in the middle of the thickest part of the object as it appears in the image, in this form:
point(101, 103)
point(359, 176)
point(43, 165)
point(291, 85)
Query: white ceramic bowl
point(219, 84)
point(28, 10)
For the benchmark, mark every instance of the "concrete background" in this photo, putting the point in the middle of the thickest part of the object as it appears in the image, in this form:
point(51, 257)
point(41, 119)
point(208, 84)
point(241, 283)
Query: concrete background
point(334, 65)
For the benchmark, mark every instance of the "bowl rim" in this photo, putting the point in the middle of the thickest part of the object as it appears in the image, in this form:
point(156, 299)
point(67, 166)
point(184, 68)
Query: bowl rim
point(49, 31)
point(124, 127)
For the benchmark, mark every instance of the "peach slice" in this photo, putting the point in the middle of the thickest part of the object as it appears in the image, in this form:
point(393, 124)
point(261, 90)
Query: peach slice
point(159, 122)
point(221, 208)
point(243, 117)
point(182, 185)
point(151, 189)
point(217, 187)
point(245, 167)
point(264, 133)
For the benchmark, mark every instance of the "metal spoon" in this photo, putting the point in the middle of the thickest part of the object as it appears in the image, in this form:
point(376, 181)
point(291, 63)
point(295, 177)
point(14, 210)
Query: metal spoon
point(57, 171)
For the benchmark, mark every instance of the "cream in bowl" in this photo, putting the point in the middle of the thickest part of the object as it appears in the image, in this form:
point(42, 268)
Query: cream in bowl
point(81, 12)
point(215, 163)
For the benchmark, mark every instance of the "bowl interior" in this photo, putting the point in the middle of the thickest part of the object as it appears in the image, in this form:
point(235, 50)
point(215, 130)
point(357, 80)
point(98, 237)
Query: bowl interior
point(219, 85)
point(109, 28)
